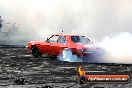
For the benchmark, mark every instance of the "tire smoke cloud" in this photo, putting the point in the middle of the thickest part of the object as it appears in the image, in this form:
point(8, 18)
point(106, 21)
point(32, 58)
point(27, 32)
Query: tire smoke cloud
point(42, 18)
point(67, 55)
point(118, 47)
point(94, 18)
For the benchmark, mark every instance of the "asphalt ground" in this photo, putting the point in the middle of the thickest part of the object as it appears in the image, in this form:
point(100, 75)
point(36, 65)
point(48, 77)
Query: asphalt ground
point(19, 69)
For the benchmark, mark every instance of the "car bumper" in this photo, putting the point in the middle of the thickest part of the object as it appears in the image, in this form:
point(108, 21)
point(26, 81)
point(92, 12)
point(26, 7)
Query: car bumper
point(95, 53)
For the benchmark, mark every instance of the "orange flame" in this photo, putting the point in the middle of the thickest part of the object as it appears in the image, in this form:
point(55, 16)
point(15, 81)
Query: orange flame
point(81, 71)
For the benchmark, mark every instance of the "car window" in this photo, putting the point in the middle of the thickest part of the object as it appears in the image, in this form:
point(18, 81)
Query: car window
point(80, 39)
point(53, 38)
point(62, 39)
point(75, 39)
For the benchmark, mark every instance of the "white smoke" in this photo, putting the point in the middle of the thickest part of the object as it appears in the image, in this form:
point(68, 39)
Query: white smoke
point(94, 18)
point(68, 56)
point(119, 48)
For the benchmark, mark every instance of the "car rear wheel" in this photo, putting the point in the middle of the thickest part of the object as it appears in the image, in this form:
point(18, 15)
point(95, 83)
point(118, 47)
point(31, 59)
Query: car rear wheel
point(35, 52)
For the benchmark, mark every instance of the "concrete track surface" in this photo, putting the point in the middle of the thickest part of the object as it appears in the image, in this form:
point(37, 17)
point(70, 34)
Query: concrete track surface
point(19, 69)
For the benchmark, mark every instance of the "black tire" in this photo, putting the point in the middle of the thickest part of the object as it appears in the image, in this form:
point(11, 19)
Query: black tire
point(35, 52)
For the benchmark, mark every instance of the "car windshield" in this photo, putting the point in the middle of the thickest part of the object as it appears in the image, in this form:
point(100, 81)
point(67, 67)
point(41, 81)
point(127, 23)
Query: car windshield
point(80, 39)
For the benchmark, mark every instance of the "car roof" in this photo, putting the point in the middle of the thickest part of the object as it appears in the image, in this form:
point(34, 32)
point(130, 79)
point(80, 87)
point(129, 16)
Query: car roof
point(68, 35)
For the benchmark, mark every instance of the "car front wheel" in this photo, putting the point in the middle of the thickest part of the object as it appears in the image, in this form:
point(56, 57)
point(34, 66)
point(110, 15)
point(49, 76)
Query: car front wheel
point(36, 52)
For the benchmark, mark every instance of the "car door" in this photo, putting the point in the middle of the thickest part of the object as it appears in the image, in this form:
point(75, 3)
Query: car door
point(60, 44)
point(51, 44)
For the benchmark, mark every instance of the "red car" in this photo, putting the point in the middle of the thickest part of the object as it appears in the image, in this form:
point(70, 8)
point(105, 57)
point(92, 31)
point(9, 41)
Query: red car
point(57, 43)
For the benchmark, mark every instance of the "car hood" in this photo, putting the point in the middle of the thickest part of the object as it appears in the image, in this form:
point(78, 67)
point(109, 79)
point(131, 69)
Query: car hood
point(36, 42)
